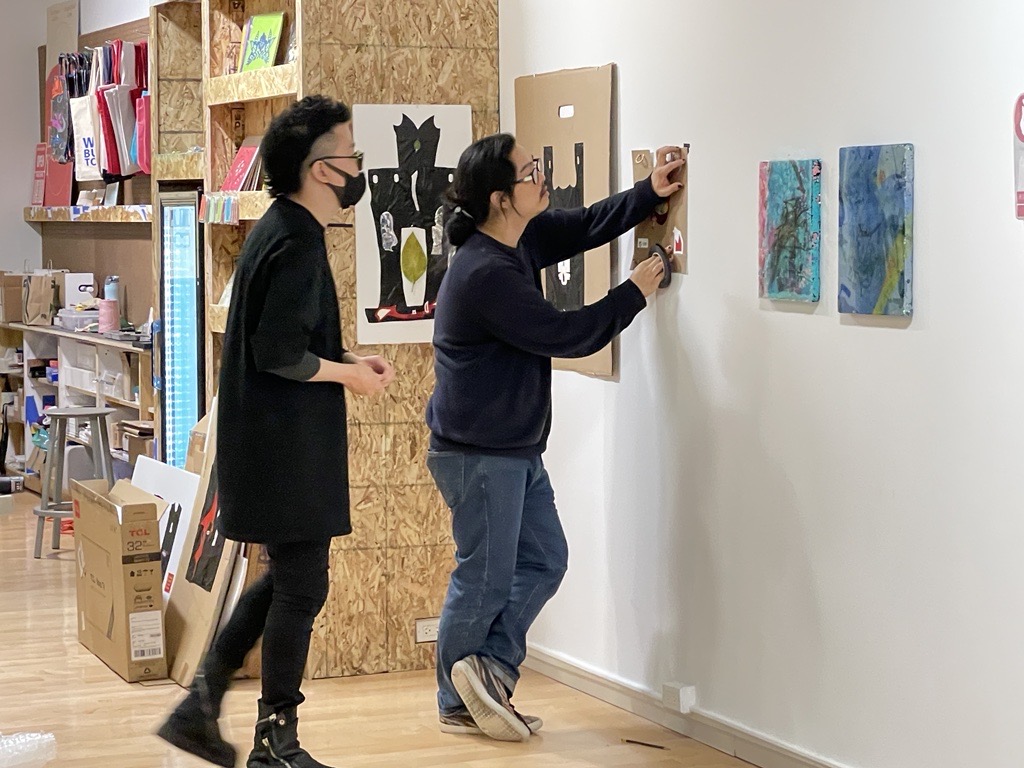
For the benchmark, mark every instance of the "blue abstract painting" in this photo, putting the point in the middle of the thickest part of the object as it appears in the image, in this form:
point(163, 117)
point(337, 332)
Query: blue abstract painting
point(876, 226)
point(790, 218)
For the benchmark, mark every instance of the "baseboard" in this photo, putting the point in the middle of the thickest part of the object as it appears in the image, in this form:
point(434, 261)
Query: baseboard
point(704, 727)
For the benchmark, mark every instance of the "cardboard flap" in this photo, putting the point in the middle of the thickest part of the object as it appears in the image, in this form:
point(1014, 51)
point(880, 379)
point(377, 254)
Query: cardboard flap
point(124, 501)
point(124, 494)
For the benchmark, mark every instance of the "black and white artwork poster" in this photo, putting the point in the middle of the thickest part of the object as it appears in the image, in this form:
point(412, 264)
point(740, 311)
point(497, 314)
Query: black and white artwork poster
point(410, 155)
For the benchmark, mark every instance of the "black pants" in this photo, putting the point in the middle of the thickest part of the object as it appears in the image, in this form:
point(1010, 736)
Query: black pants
point(281, 607)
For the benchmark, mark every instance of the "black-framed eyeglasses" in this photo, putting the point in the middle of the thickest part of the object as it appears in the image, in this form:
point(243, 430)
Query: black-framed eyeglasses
point(534, 177)
point(357, 156)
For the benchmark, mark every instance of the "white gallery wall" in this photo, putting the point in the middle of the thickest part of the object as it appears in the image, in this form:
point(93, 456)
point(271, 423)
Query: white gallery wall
point(25, 31)
point(102, 14)
point(817, 520)
point(25, 25)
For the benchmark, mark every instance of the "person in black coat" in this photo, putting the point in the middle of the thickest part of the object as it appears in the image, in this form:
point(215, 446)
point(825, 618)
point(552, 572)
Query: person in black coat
point(282, 449)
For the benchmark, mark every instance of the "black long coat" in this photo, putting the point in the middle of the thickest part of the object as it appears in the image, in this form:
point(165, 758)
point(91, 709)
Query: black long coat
point(282, 446)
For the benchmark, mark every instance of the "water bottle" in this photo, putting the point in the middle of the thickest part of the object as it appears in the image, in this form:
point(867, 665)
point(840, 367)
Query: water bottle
point(111, 288)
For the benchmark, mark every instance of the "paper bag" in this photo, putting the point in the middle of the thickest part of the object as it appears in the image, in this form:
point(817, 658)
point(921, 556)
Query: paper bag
point(40, 299)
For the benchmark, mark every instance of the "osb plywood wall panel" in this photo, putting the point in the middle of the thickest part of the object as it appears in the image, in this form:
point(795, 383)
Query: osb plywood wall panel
point(179, 74)
point(170, 167)
point(226, 18)
point(445, 24)
point(181, 109)
point(180, 37)
point(227, 131)
point(225, 245)
point(356, 609)
point(417, 579)
point(411, 51)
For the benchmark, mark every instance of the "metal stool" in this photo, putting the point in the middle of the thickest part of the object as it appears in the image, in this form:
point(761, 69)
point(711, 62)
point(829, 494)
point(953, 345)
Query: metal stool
point(52, 502)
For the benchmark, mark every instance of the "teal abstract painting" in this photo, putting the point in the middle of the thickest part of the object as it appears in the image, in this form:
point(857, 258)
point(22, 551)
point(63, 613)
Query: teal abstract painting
point(790, 218)
point(876, 229)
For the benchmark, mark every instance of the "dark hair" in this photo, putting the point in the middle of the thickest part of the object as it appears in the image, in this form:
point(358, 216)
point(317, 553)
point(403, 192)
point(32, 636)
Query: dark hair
point(290, 139)
point(483, 168)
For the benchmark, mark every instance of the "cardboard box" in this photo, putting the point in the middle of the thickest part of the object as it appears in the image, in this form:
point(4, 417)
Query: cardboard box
point(197, 445)
point(117, 547)
point(138, 446)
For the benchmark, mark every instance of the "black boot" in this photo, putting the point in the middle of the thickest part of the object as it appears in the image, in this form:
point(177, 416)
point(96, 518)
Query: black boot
point(276, 743)
point(193, 727)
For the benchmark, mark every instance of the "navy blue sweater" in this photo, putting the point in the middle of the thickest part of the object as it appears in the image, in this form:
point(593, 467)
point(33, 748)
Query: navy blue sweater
point(495, 333)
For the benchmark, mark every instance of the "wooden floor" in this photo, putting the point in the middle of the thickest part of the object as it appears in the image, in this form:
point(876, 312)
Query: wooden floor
point(51, 684)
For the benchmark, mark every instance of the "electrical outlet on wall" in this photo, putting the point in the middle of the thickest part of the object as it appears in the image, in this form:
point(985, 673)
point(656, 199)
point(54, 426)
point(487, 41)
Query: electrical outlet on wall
point(426, 630)
point(678, 697)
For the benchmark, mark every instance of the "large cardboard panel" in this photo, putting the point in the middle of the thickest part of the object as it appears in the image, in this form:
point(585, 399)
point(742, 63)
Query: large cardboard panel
point(565, 120)
point(117, 549)
point(204, 574)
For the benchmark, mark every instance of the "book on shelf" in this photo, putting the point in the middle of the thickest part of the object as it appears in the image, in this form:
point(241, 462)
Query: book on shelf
point(246, 172)
point(138, 428)
point(261, 41)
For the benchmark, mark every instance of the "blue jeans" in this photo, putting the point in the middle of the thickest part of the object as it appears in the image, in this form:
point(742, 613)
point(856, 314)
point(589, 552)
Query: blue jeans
point(511, 557)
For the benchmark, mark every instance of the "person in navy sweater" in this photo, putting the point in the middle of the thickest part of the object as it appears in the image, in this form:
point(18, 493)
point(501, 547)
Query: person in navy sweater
point(490, 412)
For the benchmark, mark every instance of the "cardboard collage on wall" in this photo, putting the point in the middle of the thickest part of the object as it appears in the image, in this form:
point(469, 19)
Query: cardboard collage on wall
point(564, 119)
point(411, 152)
point(668, 225)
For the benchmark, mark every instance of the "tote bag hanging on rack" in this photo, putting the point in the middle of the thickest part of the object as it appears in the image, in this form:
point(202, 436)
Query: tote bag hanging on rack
point(59, 138)
point(85, 119)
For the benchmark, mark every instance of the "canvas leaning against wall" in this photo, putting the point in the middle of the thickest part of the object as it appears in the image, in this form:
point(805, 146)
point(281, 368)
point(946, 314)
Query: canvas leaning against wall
point(790, 230)
point(411, 152)
point(876, 229)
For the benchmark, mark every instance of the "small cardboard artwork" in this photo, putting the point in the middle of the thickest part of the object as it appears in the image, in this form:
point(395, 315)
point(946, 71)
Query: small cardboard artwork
point(667, 226)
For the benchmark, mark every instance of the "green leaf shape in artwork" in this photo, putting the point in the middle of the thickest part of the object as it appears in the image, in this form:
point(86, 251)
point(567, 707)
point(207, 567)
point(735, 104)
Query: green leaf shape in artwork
point(414, 260)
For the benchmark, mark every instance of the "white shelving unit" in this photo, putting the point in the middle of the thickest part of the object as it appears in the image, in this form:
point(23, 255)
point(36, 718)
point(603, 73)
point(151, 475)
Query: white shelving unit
point(92, 371)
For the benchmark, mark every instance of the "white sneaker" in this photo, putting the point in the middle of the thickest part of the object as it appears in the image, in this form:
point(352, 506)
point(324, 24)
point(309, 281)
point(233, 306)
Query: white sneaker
point(487, 701)
point(462, 722)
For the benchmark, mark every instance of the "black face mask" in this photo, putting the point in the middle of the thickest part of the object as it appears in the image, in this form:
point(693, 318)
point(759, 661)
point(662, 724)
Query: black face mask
point(352, 192)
